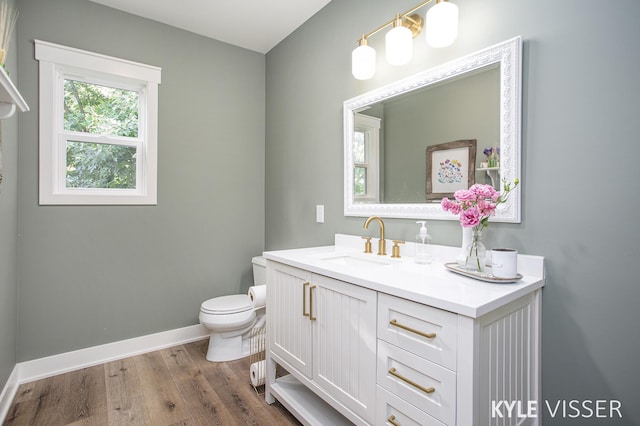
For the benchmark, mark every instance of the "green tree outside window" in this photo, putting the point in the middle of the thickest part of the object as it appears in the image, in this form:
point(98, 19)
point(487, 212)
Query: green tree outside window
point(100, 110)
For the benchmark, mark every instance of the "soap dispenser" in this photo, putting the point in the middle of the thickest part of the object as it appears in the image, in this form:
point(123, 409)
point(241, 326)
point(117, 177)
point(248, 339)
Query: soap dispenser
point(423, 245)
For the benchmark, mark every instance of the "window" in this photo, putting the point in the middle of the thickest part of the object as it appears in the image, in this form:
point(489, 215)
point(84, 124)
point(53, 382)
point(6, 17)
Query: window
point(366, 148)
point(98, 128)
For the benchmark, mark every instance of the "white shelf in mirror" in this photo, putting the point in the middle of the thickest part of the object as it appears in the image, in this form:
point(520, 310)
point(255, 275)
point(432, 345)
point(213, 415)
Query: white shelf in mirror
point(493, 173)
point(10, 98)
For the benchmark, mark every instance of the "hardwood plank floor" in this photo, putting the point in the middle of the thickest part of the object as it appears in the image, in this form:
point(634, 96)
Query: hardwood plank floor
point(174, 386)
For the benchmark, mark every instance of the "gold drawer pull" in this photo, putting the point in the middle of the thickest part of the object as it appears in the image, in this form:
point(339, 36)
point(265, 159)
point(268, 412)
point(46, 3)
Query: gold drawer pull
point(411, 382)
point(304, 299)
point(392, 420)
point(413, 330)
point(311, 317)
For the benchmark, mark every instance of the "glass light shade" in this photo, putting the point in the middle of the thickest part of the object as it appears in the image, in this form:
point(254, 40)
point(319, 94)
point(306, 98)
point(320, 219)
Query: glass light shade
point(363, 62)
point(399, 45)
point(442, 24)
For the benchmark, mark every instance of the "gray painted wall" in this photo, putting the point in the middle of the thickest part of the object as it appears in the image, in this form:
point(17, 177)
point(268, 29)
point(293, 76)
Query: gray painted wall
point(95, 274)
point(580, 146)
point(9, 232)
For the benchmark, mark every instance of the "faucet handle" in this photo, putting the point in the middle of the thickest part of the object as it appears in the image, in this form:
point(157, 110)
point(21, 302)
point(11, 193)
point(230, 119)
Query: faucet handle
point(367, 245)
point(396, 248)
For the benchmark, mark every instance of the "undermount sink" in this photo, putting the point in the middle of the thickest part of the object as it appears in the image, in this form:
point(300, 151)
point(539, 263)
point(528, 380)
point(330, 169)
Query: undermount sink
point(358, 261)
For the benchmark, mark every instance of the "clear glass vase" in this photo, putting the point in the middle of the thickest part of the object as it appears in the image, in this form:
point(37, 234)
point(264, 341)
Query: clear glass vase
point(476, 253)
point(462, 254)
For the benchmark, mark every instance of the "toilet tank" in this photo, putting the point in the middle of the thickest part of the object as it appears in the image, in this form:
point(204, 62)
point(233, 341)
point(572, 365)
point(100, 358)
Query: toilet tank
point(259, 270)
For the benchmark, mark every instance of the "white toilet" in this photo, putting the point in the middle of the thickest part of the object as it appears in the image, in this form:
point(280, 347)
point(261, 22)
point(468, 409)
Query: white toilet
point(230, 319)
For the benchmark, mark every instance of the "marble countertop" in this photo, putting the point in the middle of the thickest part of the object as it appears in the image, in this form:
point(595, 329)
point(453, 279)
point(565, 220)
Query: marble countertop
point(431, 284)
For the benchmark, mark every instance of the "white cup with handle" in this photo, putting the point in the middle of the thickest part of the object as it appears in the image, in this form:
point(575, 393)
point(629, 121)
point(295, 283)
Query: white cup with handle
point(504, 262)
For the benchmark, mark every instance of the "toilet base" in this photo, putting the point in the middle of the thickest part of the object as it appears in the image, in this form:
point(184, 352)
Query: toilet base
point(222, 349)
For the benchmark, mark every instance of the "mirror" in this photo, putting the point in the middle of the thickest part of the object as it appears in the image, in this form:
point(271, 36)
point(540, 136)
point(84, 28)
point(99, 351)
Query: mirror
point(391, 133)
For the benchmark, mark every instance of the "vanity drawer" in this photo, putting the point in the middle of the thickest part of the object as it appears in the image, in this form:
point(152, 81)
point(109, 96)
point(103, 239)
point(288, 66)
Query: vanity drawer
point(422, 383)
point(425, 331)
point(393, 411)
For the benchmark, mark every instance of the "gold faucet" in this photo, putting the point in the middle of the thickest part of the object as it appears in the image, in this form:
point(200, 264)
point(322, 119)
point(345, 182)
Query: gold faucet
point(381, 243)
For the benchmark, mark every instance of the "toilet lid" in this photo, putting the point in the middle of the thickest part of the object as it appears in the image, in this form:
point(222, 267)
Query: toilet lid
point(227, 304)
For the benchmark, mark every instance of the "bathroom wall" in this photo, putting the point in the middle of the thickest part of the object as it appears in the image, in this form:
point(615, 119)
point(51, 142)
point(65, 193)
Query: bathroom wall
point(90, 275)
point(580, 147)
point(9, 233)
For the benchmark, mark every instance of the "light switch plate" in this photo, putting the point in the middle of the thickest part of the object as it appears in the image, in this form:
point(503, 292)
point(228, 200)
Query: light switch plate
point(320, 213)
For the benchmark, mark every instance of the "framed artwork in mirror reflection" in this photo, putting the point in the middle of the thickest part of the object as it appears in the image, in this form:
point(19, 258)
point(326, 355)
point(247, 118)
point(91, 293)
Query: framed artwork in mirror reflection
point(450, 166)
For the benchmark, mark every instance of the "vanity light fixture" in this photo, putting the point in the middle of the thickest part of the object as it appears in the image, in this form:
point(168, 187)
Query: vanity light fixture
point(442, 30)
point(399, 43)
point(363, 60)
point(442, 24)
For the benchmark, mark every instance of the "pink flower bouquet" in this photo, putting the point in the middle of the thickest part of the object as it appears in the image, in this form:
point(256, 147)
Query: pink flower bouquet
point(476, 204)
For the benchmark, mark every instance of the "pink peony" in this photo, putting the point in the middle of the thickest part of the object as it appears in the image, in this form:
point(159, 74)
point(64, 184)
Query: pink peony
point(465, 195)
point(486, 208)
point(451, 206)
point(484, 191)
point(470, 217)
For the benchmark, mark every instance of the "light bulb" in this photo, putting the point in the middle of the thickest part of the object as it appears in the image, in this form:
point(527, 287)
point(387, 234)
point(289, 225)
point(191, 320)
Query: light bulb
point(363, 61)
point(399, 44)
point(442, 24)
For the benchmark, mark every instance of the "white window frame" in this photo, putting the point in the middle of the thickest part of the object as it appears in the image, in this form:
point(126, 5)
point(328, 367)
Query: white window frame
point(58, 63)
point(370, 126)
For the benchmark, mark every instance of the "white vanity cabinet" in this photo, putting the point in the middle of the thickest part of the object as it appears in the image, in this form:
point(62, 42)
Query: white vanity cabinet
point(323, 331)
point(401, 344)
point(450, 368)
point(417, 348)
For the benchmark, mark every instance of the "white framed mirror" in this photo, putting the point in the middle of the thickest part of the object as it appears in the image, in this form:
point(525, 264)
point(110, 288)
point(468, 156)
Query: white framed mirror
point(385, 170)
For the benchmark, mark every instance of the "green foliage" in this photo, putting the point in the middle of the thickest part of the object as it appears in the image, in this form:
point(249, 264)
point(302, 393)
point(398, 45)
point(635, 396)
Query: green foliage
point(359, 156)
point(359, 180)
point(94, 165)
point(100, 110)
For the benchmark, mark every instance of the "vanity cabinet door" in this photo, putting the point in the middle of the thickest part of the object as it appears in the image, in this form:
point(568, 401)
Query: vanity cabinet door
point(344, 346)
point(288, 313)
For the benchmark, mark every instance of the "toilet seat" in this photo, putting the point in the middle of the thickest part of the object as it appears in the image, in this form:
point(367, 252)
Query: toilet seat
point(227, 305)
point(226, 314)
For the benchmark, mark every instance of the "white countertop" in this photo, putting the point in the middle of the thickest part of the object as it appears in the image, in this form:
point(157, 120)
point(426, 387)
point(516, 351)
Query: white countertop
point(430, 284)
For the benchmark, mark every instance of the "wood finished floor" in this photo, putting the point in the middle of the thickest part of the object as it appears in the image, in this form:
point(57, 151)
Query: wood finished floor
point(174, 386)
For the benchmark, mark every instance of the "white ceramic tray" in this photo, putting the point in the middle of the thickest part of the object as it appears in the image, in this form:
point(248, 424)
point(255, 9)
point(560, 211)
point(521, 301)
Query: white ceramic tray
point(482, 276)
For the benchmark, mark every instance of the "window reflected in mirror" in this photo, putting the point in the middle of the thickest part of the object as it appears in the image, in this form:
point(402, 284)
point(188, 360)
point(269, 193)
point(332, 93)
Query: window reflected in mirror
point(366, 159)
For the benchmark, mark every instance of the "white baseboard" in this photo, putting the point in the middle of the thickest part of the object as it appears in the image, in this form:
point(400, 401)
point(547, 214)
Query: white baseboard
point(8, 393)
point(75, 360)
